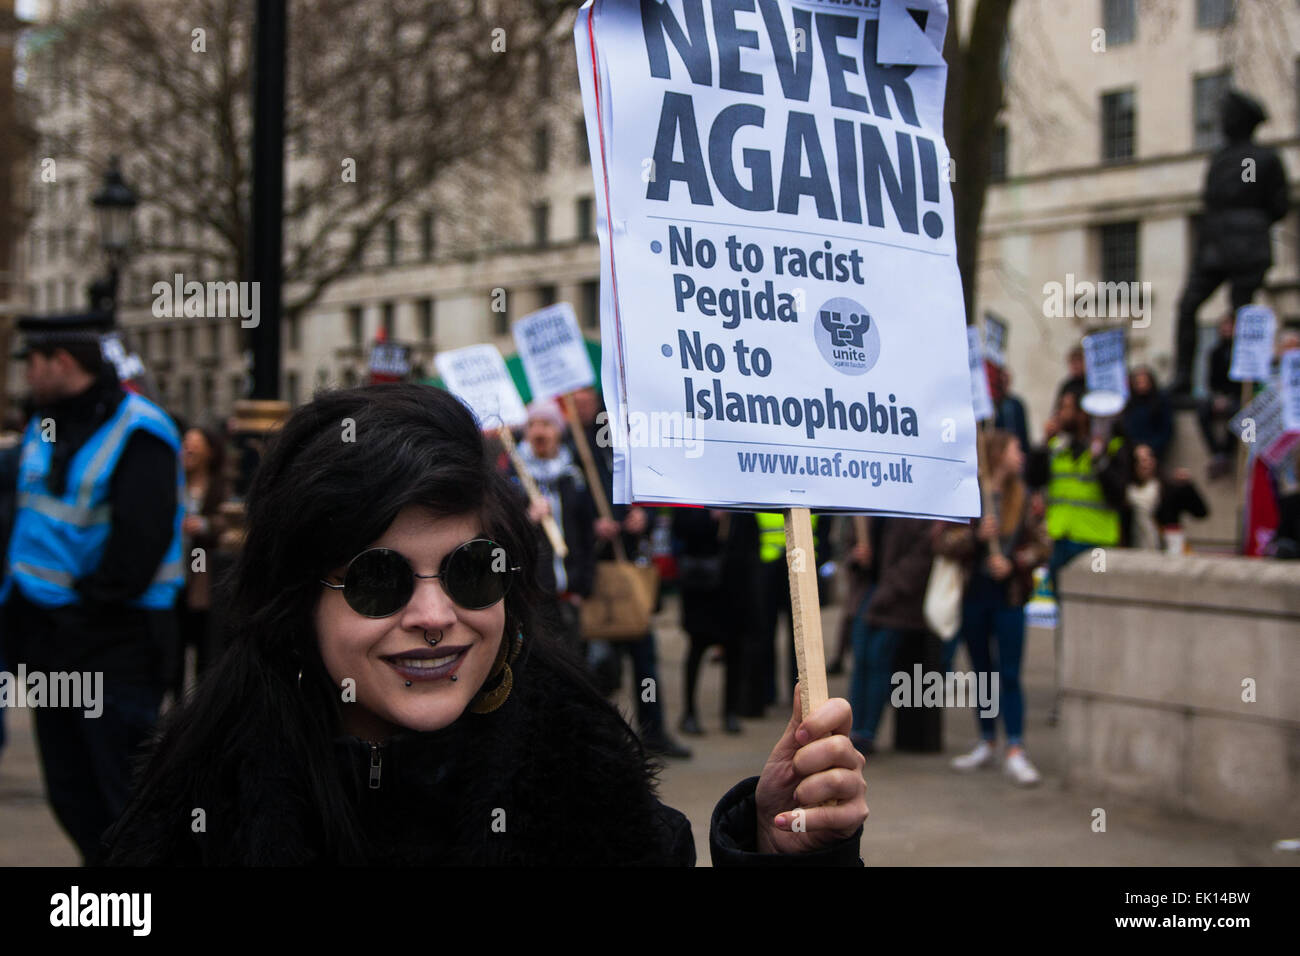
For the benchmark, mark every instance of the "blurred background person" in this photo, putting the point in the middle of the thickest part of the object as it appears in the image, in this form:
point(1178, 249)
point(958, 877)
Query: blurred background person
point(894, 613)
point(1009, 410)
point(565, 497)
point(1148, 418)
point(851, 538)
point(1076, 378)
point(1085, 481)
point(1001, 550)
point(717, 562)
point(631, 526)
point(1221, 402)
point(203, 458)
point(1156, 506)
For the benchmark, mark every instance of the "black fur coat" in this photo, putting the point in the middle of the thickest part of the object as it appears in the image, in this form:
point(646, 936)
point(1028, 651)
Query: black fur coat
point(554, 776)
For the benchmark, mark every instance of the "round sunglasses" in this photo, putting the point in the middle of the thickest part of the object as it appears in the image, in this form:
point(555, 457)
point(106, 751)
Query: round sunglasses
point(379, 582)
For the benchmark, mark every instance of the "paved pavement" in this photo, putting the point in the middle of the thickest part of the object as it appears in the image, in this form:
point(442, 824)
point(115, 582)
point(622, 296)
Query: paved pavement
point(921, 812)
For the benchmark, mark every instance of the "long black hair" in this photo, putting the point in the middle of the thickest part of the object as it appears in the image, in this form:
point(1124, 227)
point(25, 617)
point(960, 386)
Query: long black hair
point(330, 483)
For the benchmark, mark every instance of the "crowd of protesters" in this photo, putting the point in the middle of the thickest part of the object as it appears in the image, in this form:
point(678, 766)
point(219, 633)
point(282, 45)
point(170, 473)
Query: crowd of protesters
point(1089, 483)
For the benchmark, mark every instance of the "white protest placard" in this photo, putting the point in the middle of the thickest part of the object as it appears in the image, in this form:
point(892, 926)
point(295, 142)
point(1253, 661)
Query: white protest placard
point(778, 228)
point(1103, 359)
point(981, 398)
point(1289, 387)
point(1262, 425)
point(995, 340)
point(553, 351)
point(478, 376)
point(1252, 344)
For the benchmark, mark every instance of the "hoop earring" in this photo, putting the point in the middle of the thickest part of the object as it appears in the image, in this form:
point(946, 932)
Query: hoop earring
point(486, 701)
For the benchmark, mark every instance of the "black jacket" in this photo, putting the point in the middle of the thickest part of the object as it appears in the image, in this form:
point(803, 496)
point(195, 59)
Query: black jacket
point(553, 777)
point(715, 607)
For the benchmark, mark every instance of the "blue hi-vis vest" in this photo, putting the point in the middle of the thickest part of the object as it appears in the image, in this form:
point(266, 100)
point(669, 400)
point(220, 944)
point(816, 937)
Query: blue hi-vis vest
point(56, 541)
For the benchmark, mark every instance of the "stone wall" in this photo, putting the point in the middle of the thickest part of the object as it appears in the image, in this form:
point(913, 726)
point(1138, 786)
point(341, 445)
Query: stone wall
point(1155, 653)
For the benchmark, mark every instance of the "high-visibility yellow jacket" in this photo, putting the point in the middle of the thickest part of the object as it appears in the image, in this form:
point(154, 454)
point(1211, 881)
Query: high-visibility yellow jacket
point(771, 535)
point(1076, 504)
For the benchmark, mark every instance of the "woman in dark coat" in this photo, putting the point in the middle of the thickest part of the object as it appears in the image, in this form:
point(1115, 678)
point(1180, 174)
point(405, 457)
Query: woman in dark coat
point(717, 565)
point(367, 713)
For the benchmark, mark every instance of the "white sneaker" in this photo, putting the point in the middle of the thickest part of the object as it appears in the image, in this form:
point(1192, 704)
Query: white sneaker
point(1019, 769)
point(981, 756)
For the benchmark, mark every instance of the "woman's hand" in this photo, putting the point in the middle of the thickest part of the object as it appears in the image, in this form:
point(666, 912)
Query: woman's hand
point(538, 509)
point(988, 528)
point(999, 567)
point(812, 764)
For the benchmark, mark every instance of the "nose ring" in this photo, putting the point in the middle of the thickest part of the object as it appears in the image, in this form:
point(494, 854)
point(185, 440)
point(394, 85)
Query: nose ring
point(434, 642)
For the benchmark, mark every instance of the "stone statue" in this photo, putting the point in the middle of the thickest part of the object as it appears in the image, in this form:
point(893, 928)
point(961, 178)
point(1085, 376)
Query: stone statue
point(1245, 193)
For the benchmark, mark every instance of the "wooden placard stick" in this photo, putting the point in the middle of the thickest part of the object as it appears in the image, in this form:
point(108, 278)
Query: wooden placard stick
point(805, 614)
point(589, 467)
point(530, 488)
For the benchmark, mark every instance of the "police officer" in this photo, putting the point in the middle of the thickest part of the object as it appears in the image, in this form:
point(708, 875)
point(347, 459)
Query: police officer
point(93, 566)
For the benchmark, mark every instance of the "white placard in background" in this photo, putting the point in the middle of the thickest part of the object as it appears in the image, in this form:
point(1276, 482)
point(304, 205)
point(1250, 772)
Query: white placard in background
point(478, 376)
point(553, 351)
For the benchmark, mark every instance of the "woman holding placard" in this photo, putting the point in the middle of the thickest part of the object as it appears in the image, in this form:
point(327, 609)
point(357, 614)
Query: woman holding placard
point(388, 696)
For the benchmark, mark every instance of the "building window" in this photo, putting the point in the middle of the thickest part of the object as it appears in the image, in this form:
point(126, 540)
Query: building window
point(356, 324)
point(358, 248)
point(291, 388)
point(585, 224)
point(1118, 126)
point(591, 304)
point(427, 236)
point(294, 336)
point(998, 155)
point(541, 149)
point(187, 336)
point(208, 393)
point(390, 241)
point(546, 295)
point(424, 318)
point(214, 339)
point(237, 383)
point(1212, 14)
point(187, 397)
point(1119, 252)
point(541, 223)
point(389, 320)
point(1119, 19)
point(1207, 98)
point(580, 135)
point(167, 343)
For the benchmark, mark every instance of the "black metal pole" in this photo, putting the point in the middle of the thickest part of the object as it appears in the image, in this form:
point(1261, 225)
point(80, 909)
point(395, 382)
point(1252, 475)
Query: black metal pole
point(266, 219)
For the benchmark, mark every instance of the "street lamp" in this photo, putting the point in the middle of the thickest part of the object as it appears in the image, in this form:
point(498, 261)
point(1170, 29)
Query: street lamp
point(113, 204)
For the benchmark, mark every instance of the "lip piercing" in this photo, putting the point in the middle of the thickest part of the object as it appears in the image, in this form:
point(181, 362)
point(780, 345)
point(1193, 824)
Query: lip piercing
point(408, 683)
point(434, 642)
point(453, 676)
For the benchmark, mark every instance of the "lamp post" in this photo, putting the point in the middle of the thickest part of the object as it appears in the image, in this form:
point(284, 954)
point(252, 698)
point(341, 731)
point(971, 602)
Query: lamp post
point(113, 204)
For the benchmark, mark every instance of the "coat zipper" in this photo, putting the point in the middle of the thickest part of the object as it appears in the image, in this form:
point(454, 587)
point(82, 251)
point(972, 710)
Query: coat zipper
point(376, 766)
